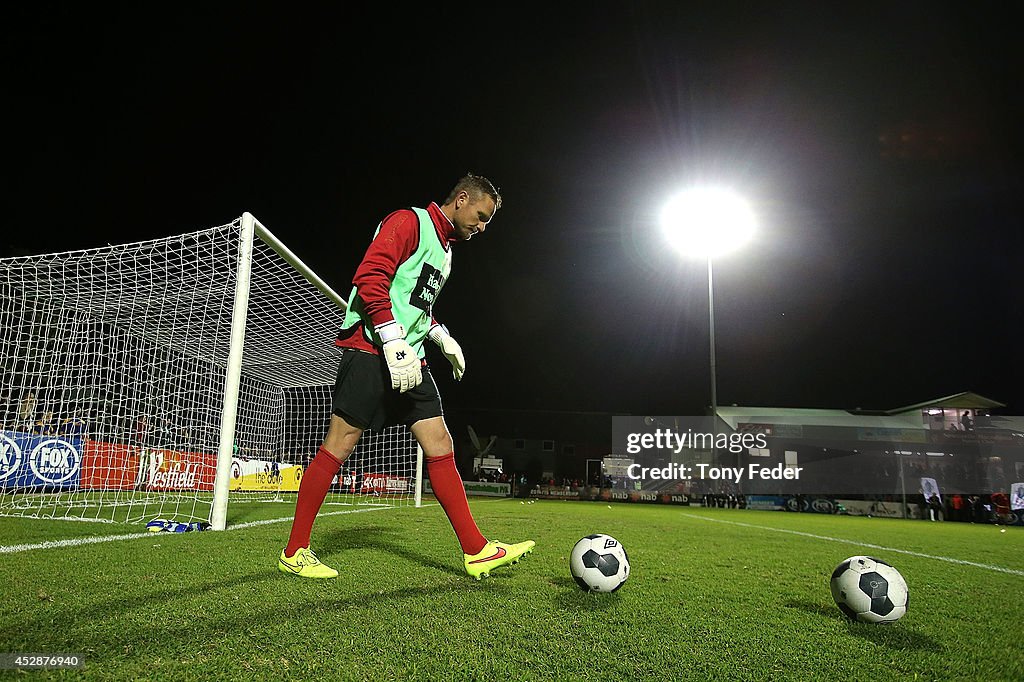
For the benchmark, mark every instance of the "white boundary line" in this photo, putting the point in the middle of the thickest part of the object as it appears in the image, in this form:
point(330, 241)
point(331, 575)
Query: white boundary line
point(76, 542)
point(1000, 569)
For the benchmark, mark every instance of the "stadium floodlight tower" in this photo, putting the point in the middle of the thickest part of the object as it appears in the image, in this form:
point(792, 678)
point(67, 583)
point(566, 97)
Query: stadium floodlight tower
point(708, 222)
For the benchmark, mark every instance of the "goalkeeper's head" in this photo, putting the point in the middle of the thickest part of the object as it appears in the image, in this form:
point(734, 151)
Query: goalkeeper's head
point(470, 205)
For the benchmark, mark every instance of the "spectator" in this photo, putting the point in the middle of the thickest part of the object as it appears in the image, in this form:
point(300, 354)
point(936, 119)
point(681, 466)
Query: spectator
point(76, 425)
point(1000, 505)
point(975, 509)
point(45, 426)
point(141, 431)
point(26, 412)
point(958, 508)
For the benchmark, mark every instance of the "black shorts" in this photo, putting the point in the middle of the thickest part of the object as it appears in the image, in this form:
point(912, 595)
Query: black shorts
point(363, 395)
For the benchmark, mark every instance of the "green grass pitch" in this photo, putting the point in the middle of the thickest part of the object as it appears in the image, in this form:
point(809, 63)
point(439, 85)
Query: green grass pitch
point(715, 594)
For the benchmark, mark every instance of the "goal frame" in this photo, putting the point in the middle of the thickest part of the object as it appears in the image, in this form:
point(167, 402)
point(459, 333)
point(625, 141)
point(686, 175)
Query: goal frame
point(173, 376)
point(251, 228)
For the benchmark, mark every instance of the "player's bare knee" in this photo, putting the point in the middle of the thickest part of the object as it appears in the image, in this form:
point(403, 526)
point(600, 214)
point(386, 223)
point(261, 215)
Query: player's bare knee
point(342, 438)
point(436, 444)
point(339, 450)
point(432, 435)
point(438, 447)
point(341, 447)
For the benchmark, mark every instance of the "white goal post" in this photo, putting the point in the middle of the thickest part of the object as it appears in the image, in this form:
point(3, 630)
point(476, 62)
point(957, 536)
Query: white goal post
point(165, 378)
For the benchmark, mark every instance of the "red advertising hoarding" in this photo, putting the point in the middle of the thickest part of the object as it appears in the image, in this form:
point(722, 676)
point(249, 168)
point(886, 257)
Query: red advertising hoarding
point(116, 466)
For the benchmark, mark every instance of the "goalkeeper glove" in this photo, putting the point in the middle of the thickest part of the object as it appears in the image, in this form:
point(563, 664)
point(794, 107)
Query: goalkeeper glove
point(451, 349)
point(403, 363)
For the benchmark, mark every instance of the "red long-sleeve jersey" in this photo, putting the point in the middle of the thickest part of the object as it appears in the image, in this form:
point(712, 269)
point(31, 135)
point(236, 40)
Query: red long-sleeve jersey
point(396, 240)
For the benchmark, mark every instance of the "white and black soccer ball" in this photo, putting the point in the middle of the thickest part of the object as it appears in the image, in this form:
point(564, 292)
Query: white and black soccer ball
point(599, 563)
point(869, 590)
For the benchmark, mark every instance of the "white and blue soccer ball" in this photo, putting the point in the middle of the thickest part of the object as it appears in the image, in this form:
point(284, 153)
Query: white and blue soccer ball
point(869, 590)
point(599, 563)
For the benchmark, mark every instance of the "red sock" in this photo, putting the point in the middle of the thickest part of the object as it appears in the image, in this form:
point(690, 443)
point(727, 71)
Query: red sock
point(316, 481)
point(449, 491)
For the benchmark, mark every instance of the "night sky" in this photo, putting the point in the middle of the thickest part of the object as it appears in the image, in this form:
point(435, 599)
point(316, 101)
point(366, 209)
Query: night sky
point(879, 145)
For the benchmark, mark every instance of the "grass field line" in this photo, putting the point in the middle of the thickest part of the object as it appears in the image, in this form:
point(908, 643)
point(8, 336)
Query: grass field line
point(962, 562)
point(76, 542)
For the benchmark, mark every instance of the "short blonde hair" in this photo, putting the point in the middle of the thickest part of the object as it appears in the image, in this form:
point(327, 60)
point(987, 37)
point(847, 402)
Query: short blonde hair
point(475, 186)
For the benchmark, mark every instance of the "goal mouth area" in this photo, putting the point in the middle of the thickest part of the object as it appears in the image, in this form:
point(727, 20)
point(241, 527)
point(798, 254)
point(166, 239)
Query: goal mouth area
point(172, 377)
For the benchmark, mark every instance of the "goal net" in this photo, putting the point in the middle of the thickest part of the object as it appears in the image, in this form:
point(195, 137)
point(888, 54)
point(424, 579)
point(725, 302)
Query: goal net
point(163, 379)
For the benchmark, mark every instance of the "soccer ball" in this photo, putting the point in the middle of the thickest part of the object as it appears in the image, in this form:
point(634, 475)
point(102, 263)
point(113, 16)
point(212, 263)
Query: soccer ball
point(869, 590)
point(599, 563)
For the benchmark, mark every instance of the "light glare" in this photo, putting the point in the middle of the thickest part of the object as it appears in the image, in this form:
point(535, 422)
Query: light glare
point(707, 222)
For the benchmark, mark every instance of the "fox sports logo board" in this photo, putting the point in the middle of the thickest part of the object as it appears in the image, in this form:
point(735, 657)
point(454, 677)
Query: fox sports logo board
point(599, 563)
point(869, 590)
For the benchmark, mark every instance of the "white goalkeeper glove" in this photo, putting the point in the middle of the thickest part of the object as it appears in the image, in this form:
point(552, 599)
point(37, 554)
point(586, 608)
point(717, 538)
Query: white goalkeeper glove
point(451, 349)
point(403, 363)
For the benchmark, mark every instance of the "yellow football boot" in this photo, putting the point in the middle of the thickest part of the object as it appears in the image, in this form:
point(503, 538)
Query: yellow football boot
point(305, 565)
point(494, 555)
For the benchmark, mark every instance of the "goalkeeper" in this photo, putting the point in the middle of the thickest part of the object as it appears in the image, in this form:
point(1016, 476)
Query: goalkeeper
point(383, 378)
